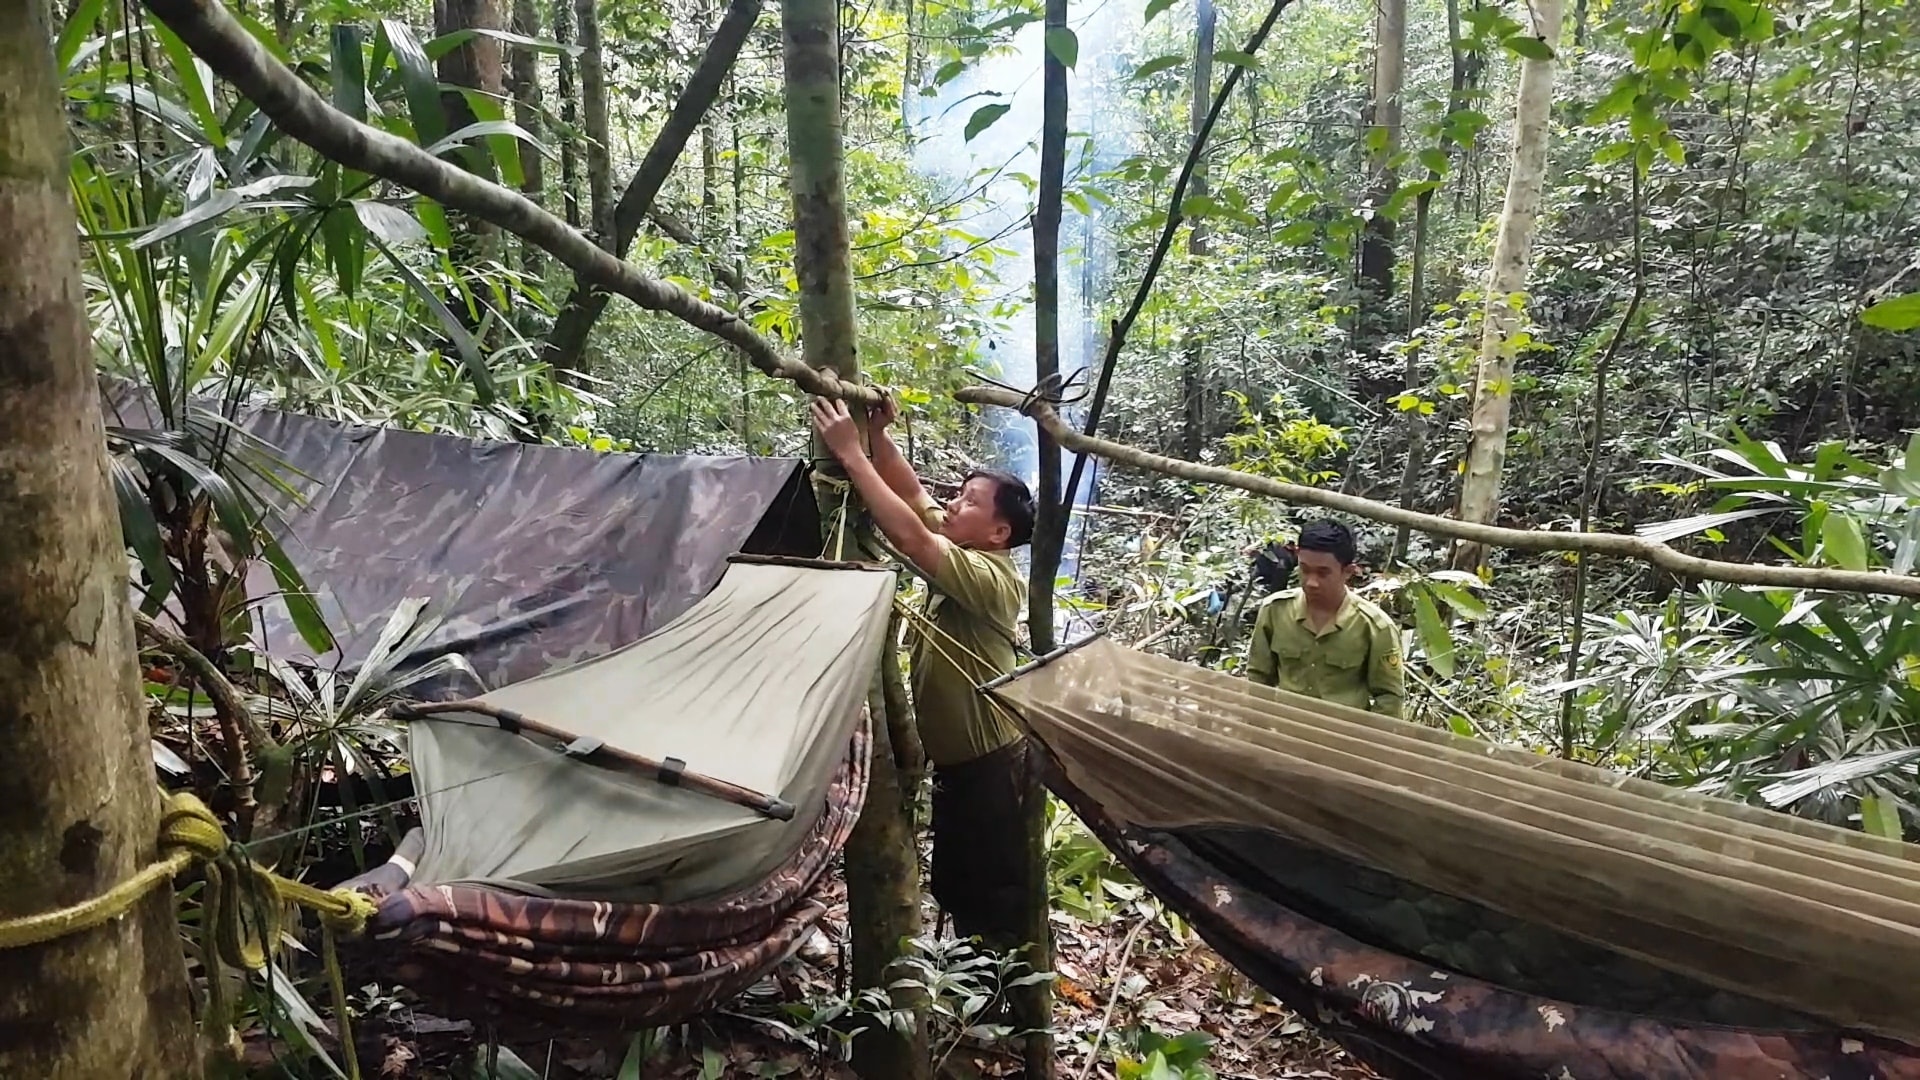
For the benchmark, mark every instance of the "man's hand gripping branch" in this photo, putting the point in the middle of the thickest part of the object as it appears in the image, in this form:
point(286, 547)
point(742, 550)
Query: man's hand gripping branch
point(886, 483)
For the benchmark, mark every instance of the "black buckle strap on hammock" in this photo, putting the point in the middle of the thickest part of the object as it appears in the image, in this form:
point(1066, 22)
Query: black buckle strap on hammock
point(672, 772)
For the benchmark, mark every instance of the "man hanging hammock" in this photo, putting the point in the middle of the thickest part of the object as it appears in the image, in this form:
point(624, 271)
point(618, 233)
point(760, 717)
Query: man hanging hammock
point(981, 778)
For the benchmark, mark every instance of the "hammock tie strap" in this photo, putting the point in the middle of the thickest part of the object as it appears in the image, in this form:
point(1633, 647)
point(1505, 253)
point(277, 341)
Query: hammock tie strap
point(244, 905)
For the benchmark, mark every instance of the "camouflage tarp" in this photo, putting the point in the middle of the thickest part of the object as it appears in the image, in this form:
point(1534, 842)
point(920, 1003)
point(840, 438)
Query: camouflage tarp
point(1446, 908)
point(536, 556)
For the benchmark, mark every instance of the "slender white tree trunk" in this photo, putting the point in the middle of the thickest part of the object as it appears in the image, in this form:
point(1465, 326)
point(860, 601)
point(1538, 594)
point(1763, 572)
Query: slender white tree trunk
point(1506, 285)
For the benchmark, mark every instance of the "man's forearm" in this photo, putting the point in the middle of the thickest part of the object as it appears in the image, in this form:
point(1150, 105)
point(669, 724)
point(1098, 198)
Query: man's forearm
point(894, 469)
point(898, 521)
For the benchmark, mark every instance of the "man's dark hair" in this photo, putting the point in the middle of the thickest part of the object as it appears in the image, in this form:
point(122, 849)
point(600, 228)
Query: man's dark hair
point(1012, 503)
point(1331, 537)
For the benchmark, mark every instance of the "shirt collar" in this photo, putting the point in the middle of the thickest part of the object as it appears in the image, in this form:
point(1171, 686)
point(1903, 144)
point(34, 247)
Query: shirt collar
point(1341, 618)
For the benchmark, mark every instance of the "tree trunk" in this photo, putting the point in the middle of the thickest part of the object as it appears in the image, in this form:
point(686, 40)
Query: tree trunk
point(567, 343)
point(473, 65)
point(1192, 370)
point(593, 100)
point(1493, 385)
point(882, 860)
point(1376, 246)
point(526, 113)
point(569, 113)
point(1031, 1006)
point(81, 811)
point(1417, 284)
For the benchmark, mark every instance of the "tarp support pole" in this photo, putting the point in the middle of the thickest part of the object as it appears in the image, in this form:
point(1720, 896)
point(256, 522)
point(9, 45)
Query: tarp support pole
point(1039, 662)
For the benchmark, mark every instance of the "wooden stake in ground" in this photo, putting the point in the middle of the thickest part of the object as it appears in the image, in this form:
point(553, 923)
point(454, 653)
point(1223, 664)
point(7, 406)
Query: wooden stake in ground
point(883, 863)
point(80, 809)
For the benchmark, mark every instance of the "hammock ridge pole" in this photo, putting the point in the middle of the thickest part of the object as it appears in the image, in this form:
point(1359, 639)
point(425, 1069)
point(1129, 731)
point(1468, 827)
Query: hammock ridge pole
point(672, 772)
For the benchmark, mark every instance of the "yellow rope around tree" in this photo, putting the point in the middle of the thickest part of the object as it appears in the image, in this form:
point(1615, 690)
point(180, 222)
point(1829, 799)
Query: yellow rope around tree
point(245, 906)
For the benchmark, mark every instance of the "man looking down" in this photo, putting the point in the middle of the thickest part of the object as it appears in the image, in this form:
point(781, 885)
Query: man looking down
point(1321, 639)
point(978, 754)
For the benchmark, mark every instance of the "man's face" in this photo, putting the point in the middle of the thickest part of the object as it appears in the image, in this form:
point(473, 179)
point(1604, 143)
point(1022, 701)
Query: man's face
point(972, 521)
point(1323, 578)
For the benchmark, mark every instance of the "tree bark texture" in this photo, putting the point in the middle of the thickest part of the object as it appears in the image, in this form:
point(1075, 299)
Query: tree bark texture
point(216, 37)
point(1506, 282)
point(475, 65)
point(1031, 1006)
point(526, 113)
point(567, 342)
point(1193, 381)
point(882, 859)
point(1389, 77)
point(593, 103)
point(810, 33)
point(80, 807)
point(1417, 283)
point(569, 112)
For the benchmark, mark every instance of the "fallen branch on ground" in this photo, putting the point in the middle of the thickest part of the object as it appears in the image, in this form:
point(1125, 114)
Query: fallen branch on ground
point(217, 38)
point(1537, 540)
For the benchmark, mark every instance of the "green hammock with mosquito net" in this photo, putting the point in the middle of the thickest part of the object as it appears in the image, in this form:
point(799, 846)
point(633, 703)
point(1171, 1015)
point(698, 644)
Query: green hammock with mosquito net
point(1445, 907)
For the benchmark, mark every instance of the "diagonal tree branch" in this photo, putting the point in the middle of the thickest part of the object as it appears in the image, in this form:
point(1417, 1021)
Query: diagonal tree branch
point(568, 338)
point(216, 37)
point(1117, 333)
point(1537, 540)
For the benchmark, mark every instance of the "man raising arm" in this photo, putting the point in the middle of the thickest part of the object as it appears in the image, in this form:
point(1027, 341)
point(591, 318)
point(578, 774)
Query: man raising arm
point(978, 754)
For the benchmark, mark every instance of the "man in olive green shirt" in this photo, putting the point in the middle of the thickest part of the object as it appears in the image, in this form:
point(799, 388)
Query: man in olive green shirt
point(1324, 641)
point(981, 778)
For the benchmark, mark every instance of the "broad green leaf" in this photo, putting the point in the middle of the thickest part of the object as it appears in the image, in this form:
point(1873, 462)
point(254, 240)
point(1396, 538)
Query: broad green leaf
point(984, 118)
point(1159, 64)
point(503, 150)
point(1845, 543)
point(1435, 639)
point(1880, 816)
point(1435, 159)
point(948, 72)
point(349, 72)
point(79, 24)
point(294, 593)
point(389, 223)
point(1532, 48)
point(1237, 58)
point(138, 528)
point(195, 81)
point(1459, 599)
point(434, 218)
point(1064, 45)
point(345, 241)
point(1898, 314)
point(417, 78)
point(491, 130)
point(1155, 7)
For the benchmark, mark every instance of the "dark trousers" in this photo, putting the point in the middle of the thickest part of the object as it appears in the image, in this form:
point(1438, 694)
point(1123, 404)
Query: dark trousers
point(986, 863)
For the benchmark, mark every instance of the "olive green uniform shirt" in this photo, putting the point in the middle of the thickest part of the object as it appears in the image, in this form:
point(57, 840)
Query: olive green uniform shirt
point(1353, 660)
point(974, 606)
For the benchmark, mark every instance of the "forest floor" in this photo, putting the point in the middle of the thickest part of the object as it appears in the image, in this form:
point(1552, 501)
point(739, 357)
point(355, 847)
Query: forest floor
point(1169, 985)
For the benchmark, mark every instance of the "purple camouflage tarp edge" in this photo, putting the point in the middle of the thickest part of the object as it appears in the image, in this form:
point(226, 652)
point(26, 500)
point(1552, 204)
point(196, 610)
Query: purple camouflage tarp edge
point(534, 556)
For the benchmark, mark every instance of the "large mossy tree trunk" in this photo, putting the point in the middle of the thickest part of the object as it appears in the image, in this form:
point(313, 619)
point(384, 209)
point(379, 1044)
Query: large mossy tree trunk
point(81, 806)
point(882, 861)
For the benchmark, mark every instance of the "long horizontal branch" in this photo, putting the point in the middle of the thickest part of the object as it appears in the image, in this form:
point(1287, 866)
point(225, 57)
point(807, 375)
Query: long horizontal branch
point(1539, 540)
point(217, 38)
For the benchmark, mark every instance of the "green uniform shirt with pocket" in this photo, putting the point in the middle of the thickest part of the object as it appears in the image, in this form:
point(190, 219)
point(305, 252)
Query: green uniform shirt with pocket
point(1353, 660)
point(974, 606)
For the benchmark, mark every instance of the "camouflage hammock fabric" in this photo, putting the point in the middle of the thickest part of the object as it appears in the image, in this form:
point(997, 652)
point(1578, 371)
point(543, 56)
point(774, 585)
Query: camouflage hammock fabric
point(1446, 908)
point(532, 963)
point(557, 885)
